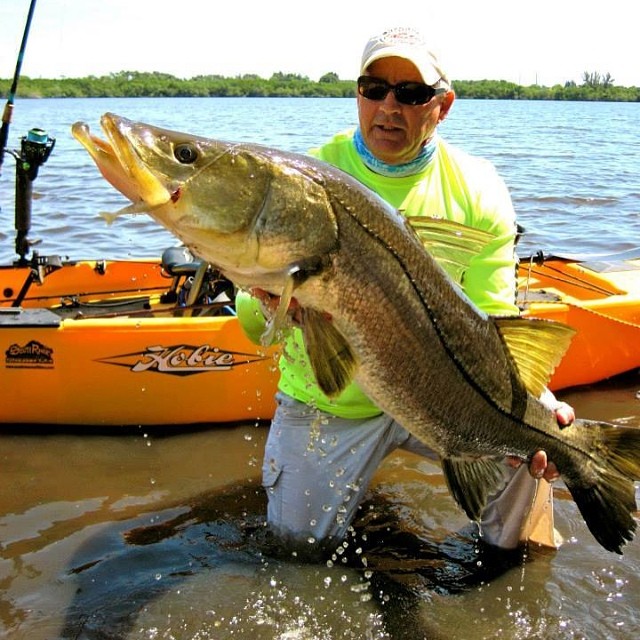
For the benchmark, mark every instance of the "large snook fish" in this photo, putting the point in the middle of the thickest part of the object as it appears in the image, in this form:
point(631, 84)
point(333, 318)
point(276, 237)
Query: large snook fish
point(376, 305)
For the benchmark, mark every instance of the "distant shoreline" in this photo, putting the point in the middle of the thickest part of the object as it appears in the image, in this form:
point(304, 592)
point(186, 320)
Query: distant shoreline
point(126, 84)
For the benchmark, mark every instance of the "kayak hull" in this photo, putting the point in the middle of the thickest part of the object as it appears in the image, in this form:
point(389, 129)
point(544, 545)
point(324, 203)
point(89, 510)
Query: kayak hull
point(600, 298)
point(113, 343)
point(95, 345)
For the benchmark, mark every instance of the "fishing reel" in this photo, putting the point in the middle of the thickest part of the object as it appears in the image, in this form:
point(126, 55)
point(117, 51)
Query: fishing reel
point(35, 149)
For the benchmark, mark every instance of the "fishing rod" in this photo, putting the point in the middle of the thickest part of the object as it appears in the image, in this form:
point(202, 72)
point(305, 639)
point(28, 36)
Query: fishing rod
point(8, 109)
point(35, 149)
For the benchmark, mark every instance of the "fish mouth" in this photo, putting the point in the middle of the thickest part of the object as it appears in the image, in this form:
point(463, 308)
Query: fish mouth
point(121, 165)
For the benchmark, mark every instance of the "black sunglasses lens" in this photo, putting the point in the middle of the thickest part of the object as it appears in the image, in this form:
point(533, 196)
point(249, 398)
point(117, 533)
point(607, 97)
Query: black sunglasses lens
point(411, 93)
point(373, 89)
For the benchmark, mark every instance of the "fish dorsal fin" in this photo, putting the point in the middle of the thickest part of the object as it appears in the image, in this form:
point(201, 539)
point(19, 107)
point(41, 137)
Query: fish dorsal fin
point(453, 245)
point(332, 359)
point(537, 346)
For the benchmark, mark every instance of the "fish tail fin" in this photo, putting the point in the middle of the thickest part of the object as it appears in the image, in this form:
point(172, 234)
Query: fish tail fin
point(608, 504)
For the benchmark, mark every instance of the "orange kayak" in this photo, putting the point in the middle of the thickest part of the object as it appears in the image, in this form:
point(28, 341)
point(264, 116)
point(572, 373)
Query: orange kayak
point(120, 343)
point(156, 342)
point(600, 298)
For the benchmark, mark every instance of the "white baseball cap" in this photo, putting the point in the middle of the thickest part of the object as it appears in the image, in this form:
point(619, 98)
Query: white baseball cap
point(407, 43)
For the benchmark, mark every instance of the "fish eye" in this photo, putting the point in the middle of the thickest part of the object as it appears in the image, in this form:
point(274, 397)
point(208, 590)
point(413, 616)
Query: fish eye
point(186, 153)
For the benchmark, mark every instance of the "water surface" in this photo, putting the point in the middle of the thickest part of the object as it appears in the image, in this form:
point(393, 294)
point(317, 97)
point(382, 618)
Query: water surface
point(149, 535)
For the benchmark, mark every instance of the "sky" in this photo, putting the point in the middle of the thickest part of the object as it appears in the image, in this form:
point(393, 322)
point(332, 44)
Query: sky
point(524, 41)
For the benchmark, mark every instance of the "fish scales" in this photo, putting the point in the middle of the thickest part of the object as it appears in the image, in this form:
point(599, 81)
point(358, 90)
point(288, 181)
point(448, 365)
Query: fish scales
point(467, 376)
point(378, 306)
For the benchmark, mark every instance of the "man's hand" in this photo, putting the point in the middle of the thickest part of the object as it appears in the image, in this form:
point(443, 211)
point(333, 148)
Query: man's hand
point(540, 466)
point(564, 414)
point(270, 302)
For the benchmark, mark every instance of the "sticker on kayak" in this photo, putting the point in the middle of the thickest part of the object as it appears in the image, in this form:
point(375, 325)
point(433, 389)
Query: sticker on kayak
point(33, 355)
point(183, 360)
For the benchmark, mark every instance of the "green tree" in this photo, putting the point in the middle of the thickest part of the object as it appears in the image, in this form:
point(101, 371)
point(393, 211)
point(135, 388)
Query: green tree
point(330, 77)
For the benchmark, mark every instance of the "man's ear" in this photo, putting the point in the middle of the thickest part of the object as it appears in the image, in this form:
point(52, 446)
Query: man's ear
point(445, 105)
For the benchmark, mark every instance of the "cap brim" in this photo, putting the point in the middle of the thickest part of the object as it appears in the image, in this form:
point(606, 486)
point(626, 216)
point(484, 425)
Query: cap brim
point(429, 74)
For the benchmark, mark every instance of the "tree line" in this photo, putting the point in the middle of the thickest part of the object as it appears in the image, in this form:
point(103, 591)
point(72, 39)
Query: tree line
point(125, 84)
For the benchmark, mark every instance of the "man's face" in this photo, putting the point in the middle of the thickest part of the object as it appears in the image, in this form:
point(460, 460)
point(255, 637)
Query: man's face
point(395, 132)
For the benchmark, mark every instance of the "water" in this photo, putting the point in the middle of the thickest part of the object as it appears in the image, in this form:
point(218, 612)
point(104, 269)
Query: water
point(572, 167)
point(155, 535)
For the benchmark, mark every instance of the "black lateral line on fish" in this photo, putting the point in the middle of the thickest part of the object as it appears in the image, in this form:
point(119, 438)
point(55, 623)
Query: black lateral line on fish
point(520, 394)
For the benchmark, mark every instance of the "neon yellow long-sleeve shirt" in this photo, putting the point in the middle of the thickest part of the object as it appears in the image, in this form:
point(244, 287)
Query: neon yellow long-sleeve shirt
point(454, 186)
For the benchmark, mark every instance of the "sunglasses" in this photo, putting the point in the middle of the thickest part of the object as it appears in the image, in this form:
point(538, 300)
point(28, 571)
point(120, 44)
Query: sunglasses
point(412, 93)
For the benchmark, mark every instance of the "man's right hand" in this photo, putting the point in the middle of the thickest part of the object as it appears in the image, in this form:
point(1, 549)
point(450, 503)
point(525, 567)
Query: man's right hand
point(270, 303)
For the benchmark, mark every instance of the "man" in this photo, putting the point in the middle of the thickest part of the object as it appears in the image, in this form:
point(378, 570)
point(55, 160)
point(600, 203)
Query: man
point(321, 453)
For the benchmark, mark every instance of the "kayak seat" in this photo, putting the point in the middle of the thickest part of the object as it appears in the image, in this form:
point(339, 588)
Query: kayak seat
point(196, 282)
point(180, 264)
point(179, 261)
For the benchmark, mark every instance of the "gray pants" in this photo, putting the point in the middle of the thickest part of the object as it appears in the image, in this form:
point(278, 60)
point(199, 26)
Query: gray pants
point(317, 468)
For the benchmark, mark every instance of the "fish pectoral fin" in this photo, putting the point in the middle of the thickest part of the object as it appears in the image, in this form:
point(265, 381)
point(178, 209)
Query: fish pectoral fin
point(537, 346)
point(333, 361)
point(472, 481)
point(452, 245)
point(130, 210)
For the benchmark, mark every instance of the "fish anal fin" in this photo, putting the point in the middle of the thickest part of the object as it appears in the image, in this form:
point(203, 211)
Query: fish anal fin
point(537, 346)
point(333, 361)
point(472, 481)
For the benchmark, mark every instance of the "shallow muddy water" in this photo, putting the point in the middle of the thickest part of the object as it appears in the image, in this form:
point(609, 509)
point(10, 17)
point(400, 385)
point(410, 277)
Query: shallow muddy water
point(161, 535)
